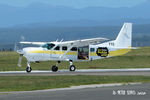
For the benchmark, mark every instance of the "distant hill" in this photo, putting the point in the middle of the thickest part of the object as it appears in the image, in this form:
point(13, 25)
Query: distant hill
point(45, 15)
point(82, 23)
point(12, 35)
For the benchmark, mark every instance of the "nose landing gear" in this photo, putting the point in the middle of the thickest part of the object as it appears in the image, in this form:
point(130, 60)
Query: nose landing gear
point(28, 69)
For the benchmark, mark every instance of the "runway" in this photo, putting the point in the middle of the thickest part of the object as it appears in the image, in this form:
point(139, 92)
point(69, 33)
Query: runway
point(139, 71)
point(109, 92)
point(125, 92)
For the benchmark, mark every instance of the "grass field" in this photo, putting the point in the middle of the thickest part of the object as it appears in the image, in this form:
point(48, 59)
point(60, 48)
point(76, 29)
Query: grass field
point(139, 58)
point(28, 83)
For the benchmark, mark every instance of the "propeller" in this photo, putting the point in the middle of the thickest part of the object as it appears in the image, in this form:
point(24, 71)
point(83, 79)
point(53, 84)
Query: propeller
point(20, 60)
point(22, 38)
point(19, 51)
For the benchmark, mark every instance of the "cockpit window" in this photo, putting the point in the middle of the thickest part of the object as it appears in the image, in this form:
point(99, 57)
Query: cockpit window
point(48, 46)
point(57, 48)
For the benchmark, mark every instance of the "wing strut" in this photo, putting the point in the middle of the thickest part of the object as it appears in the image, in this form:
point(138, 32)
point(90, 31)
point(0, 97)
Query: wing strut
point(66, 51)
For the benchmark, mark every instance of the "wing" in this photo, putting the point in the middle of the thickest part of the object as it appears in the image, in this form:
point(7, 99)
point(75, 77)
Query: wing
point(80, 43)
point(34, 43)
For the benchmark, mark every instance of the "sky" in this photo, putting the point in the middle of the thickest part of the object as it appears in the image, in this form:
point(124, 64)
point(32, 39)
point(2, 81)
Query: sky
point(76, 3)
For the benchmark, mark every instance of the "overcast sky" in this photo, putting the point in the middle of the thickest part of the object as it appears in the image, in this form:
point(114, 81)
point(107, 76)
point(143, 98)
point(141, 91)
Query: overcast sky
point(76, 3)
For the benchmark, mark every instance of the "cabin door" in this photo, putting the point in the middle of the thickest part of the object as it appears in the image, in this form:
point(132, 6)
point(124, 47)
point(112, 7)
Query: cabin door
point(83, 53)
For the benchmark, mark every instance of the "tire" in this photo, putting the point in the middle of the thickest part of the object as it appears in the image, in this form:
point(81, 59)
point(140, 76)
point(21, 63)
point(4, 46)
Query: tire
point(54, 68)
point(72, 68)
point(28, 69)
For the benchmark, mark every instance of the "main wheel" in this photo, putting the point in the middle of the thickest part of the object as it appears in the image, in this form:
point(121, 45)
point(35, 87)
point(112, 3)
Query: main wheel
point(28, 69)
point(72, 68)
point(54, 68)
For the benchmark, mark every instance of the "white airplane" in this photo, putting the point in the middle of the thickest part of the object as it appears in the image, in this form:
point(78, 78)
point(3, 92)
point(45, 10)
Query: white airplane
point(77, 50)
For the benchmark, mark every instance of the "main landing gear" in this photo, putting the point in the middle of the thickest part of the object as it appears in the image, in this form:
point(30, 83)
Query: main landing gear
point(55, 67)
point(71, 67)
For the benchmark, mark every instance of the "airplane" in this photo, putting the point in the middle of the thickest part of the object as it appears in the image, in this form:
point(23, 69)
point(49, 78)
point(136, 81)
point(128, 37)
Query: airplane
point(77, 50)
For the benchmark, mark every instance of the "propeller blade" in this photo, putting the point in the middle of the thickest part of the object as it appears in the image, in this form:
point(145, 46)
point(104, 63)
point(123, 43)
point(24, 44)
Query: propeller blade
point(20, 60)
point(20, 51)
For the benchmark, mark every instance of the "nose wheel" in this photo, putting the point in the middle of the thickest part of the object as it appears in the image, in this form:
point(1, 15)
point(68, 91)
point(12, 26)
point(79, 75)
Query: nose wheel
point(28, 69)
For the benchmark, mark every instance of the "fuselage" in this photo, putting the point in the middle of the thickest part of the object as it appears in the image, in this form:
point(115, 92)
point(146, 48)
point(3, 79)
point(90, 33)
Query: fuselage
point(85, 53)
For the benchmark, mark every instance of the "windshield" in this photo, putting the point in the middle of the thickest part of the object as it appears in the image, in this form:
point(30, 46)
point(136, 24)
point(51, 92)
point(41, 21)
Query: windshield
point(48, 46)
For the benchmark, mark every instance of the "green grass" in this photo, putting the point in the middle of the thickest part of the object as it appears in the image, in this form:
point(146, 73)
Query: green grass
point(138, 58)
point(28, 83)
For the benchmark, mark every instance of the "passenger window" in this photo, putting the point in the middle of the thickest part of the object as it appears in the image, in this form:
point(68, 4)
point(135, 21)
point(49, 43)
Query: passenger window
point(92, 49)
point(74, 49)
point(64, 48)
point(57, 48)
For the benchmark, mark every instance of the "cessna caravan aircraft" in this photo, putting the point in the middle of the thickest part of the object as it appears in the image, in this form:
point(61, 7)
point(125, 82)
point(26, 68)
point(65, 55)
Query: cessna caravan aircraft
point(77, 50)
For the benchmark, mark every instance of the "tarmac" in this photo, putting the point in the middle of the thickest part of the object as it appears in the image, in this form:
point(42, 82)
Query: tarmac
point(94, 92)
point(134, 72)
point(117, 92)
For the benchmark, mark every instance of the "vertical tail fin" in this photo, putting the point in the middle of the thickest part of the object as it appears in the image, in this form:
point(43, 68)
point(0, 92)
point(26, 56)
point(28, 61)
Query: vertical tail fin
point(124, 39)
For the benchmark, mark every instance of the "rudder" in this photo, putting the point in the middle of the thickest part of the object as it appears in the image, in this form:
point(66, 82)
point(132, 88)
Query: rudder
point(124, 38)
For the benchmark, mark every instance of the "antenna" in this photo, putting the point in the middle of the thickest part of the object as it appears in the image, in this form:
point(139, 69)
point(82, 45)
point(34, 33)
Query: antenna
point(56, 40)
point(61, 40)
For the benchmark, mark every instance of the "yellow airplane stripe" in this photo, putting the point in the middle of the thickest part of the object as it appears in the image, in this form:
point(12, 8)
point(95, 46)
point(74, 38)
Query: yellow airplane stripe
point(119, 52)
point(111, 53)
point(114, 53)
point(53, 52)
